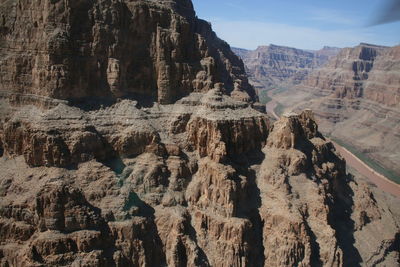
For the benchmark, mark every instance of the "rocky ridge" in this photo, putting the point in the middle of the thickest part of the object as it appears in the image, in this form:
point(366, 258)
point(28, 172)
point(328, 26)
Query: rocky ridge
point(356, 99)
point(273, 65)
point(205, 180)
point(214, 185)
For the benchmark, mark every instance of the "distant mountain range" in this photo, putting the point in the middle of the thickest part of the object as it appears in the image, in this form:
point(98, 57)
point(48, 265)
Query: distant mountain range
point(355, 92)
point(273, 65)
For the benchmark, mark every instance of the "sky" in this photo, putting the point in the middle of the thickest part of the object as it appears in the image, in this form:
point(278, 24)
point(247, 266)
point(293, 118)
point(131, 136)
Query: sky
point(305, 24)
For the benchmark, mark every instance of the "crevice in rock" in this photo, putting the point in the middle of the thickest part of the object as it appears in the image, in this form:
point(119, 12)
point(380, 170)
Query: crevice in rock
point(91, 103)
point(258, 226)
point(315, 248)
point(202, 259)
point(250, 205)
point(257, 223)
point(1, 149)
point(384, 250)
point(35, 255)
point(156, 253)
point(181, 254)
point(339, 218)
point(115, 164)
point(143, 208)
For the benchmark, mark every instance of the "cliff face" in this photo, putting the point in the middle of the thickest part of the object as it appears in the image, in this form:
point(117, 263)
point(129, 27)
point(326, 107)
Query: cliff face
point(273, 65)
point(366, 71)
point(383, 84)
point(208, 182)
point(111, 49)
point(356, 97)
point(204, 181)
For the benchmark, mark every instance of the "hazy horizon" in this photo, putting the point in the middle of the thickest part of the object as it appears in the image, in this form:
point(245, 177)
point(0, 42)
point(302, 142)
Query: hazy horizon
point(307, 24)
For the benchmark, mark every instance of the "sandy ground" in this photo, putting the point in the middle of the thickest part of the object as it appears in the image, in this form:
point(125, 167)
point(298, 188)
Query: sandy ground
point(271, 105)
point(379, 180)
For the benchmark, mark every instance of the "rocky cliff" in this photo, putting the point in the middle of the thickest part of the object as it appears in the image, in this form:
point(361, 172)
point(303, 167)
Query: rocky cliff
point(356, 97)
point(147, 180)
point(366, 71)
point(207, 181)
point(273, 65)
point(111, 49)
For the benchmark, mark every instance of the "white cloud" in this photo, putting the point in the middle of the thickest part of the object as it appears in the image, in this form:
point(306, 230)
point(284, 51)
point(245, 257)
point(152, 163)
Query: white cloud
point(250, 34)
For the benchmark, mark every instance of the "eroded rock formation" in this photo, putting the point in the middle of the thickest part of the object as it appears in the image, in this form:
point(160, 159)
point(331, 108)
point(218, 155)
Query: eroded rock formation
point(366, 71)
point(110, 49)
point(195, 195)
point(202, 181)
point(356, 99)
point(273, 65)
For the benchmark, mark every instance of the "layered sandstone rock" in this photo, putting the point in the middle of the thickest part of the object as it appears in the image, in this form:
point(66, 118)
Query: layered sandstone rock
point(272, 200)
point(110, 49)
point(218, 138)
point(125, 130)
point(305, 193)
point(366, 71)
point(274, 65)
point(356, 99)
point(383, 82)
point(203, 181)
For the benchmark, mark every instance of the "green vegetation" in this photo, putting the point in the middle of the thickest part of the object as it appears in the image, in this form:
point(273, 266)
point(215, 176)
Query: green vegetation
point(263, 96)
point(280, 89)
point(370, 162)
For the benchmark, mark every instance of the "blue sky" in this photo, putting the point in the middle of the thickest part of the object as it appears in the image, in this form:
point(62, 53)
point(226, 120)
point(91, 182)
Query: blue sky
point(306, 24)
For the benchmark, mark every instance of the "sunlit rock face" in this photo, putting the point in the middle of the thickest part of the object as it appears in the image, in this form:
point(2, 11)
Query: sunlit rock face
point(355, 97)
point(183, 172)
point(111, 49)
point(366, 71)
point(273, 65)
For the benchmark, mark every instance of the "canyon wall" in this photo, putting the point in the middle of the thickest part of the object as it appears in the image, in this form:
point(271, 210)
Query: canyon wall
point(273, 65)
point(356, 97)
point(109, 49)
point(367, 71)
point(354, 92)
point(177, 168)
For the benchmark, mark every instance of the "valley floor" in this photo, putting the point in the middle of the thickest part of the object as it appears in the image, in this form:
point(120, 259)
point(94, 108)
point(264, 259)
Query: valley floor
point(352, 160)
point(378, 179)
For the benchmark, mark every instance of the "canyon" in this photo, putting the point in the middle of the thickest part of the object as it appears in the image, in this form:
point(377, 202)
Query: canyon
point(355, 96)
point(131, 136)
